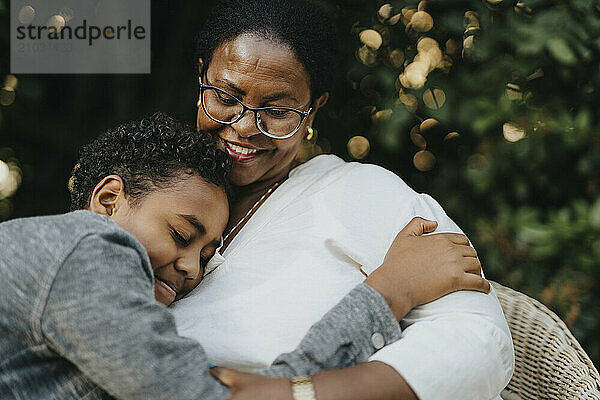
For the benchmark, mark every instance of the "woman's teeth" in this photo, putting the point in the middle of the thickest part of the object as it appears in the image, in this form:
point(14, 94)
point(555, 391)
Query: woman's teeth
point(241, 150)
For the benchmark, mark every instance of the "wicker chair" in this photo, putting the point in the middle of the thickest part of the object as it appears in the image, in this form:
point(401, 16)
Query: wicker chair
point(550, 363)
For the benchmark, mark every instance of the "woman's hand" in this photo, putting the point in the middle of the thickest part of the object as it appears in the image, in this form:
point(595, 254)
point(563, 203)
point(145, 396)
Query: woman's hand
point(247, 386)
point(419, 269)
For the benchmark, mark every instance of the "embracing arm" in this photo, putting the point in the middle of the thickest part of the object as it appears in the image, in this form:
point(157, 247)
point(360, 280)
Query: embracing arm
point(461, 341)
point(355, 328)
point(408, 277)
point(352, 331)
point(458, 347)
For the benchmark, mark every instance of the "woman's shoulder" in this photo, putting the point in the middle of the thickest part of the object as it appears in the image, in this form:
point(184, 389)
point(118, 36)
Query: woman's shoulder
point(347, 189)
point(330, 164)
point(353, 176)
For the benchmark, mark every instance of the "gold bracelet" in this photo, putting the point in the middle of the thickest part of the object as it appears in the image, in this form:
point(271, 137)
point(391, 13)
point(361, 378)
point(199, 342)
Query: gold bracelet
point(302, 388)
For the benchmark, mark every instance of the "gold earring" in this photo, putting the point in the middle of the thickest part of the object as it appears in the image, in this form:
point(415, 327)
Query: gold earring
point(311, 133)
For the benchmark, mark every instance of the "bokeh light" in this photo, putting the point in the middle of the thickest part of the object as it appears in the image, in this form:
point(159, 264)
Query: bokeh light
point(429, 124)
point(67, 13)
point(26, 15)
point(56, 23)
point(513, 92)
point(451, 135)
point(512, 132)
point(407, 14)
point(434, 98)
point(421, 22)
point(371, 38)
point(424, 161)
point(10, 179)
point(409, 101)
point(7, 96)
point(416, 137)
point(358, 147)
point(366, 55)
point(382, 115)
point(429, 57)
point(451, 47)
point(397, 58)
point(11, 81)
point(4, 172)
point(385, 11)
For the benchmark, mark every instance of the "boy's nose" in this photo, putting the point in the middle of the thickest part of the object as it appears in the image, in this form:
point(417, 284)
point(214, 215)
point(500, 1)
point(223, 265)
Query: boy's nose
point(189, 265)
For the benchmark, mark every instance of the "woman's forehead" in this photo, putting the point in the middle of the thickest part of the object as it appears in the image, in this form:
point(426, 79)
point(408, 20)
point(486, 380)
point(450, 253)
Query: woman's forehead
point(254, 63)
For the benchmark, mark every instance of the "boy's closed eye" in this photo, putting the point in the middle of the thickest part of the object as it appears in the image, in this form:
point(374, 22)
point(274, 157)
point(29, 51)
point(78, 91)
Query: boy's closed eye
point(180, 238)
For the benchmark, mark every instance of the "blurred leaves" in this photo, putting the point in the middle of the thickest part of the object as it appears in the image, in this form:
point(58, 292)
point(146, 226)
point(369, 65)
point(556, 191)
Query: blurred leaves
point(521, 173)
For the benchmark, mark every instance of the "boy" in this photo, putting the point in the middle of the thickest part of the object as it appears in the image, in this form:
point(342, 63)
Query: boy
point(78, 317)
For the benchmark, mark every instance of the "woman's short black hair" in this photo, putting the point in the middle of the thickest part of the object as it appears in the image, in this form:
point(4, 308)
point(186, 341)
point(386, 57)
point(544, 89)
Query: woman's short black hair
point(302, 25)
point(147, 154)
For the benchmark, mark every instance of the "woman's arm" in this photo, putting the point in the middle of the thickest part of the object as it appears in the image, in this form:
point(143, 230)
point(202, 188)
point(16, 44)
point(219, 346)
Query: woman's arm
point(372, 380)
point(457, 347)
point(461, 341)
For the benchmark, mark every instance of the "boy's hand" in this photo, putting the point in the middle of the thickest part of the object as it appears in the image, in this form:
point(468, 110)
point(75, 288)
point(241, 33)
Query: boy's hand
point(418, 269)
point(247, 386)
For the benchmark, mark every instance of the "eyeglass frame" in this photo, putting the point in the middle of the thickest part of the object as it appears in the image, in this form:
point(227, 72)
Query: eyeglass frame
point(255, 110)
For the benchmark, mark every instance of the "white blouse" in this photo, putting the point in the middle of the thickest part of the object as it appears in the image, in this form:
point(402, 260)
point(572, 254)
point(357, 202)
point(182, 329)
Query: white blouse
point(300, 254)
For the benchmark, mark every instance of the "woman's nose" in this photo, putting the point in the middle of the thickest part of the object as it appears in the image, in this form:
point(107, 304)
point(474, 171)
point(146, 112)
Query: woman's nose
point(246, 126)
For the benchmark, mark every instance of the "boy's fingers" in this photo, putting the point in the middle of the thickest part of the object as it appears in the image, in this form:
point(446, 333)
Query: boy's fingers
point(472, 266)
point(467, 251)
point(456, 238)
point(476, 282)
point(224, 375)
point(418, 226)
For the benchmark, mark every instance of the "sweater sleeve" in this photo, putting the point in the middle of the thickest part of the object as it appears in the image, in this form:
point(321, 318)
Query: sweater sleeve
point(101, 315)
point(354, 329)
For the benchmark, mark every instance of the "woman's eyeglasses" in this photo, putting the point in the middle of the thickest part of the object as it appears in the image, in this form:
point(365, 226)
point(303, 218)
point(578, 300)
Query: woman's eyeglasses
point(274, 122)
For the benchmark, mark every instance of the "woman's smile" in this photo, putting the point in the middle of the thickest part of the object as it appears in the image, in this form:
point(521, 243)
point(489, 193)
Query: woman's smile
point(241, 153)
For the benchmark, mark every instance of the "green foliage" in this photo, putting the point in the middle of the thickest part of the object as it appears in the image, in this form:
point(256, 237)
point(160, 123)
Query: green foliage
point(523, 177)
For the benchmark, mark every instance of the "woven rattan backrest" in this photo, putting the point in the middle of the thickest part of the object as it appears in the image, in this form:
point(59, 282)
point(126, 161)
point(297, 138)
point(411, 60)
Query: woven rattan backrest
point(550, 363)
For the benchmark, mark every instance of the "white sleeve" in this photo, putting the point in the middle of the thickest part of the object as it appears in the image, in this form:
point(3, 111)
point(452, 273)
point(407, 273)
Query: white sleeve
point(457, 347)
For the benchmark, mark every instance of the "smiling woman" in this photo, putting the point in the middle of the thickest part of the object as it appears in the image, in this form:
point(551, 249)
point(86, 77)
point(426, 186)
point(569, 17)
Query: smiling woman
point(269, 78)
point(300, 236)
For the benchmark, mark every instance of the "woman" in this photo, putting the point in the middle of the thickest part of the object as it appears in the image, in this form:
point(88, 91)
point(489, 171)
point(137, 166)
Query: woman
point(300, 236)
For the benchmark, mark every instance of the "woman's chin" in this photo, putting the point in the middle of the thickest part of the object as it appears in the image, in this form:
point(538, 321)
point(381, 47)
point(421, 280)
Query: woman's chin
point(240, 176)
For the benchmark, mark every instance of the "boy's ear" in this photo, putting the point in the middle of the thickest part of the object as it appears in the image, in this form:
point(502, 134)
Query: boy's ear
point(108, 196)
